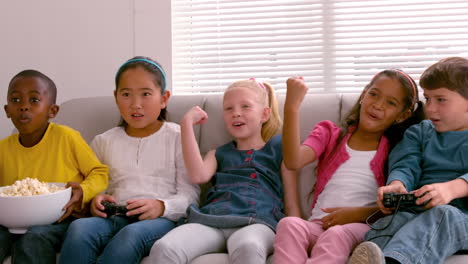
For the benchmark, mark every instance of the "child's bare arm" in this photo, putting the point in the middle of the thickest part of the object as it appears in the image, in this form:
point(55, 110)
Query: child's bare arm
point(296, 156)
point(199, 170)
point(291, 194)
point(441, 193)
point(347, 215)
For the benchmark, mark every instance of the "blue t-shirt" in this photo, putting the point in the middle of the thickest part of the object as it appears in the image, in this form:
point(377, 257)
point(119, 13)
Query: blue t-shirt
point(425, 156)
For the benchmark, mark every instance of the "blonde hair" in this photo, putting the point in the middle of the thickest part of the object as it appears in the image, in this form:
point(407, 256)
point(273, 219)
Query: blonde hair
point(268, 98)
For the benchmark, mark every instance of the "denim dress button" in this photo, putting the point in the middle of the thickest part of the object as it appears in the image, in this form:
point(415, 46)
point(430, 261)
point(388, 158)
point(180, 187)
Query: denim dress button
point(253, 175)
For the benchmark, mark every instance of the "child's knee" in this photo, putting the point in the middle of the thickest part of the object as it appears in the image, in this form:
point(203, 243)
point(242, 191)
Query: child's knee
point(446, 209)
point(78, 228)
point(249, 250)
point(79, 231)
point(248, 247)
point(289, 224)
point(32, 237)
point(35, 233)
point(165, 249)
point(340, 234)
point(449, 212)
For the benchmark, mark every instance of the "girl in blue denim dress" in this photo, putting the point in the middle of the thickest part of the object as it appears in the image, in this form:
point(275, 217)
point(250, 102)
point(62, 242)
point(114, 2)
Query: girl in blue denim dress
point(245, 201)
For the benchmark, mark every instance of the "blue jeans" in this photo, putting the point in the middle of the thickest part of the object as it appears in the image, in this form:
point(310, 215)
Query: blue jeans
point(427, 237)
point(38, 245)
point(6, 241)
point(111, 240)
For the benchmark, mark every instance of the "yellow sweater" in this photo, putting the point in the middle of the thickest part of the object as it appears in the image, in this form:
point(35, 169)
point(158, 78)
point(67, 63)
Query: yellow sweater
point(62, 155)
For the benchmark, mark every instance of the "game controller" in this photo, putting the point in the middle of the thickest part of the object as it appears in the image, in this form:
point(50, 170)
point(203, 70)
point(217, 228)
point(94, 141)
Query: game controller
point(114, 209)
point(391, 200)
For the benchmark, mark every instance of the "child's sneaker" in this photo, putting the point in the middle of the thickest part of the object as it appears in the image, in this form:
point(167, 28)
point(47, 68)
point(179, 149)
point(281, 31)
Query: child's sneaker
point(367, 253)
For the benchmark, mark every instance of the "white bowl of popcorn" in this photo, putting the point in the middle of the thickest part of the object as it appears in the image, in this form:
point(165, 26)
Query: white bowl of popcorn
point(30, 202)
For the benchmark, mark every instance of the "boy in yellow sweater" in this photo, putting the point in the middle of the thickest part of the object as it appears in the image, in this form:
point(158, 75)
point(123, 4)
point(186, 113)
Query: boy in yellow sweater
point(49, 152)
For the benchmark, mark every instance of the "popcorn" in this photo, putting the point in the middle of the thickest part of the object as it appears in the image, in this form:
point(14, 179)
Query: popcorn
point(28, 187)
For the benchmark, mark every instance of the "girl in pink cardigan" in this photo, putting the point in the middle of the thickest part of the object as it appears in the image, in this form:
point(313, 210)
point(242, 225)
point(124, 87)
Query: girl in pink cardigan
point(351, 166)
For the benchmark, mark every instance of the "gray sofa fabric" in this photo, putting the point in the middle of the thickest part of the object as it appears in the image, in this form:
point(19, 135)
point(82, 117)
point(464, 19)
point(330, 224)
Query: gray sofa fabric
point(92, 116)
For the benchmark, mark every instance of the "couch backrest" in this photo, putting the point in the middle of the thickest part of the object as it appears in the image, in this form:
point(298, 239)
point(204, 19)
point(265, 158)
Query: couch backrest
point(92, 116)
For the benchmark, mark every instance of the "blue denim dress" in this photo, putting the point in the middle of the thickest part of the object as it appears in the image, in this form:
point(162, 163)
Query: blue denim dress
point(246, 188)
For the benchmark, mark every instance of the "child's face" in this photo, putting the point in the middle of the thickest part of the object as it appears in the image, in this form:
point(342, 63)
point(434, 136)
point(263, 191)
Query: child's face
point(140, 102)
point(29, 106)
point(382, 105)
point(244, 114)
point(448, 110)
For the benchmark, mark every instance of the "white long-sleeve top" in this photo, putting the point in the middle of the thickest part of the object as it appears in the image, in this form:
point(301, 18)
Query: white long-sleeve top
point(149, 167)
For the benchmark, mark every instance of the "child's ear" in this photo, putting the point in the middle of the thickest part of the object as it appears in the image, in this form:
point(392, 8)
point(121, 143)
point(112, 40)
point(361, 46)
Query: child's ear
point(266, 114)
point(6, 111)
point(53, 110)
point(165, 98)
point(115, 97)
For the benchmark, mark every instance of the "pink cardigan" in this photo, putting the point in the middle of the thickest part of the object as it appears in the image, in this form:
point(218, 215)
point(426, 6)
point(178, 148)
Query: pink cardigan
point(323, 138)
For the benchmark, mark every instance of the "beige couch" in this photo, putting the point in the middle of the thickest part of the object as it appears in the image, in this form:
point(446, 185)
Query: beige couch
point(92, 116)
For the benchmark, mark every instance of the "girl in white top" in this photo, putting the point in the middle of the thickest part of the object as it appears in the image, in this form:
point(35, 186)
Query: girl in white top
point(146, 171)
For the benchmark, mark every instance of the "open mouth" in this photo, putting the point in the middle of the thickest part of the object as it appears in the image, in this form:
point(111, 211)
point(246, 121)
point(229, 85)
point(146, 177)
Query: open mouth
point(238, 124)
point(24, 119)
point(373, 116)
point(137, 115)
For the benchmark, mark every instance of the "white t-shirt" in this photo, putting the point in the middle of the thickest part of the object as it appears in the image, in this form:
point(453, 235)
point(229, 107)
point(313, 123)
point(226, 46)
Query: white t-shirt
point(352, 184)
point(149, 167)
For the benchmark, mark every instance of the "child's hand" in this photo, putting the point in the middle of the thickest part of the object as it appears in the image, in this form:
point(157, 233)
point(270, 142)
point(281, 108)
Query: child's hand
point(96, 204)
point(146, 208)
point(296, 91)
point(195, 116)
point(339, 216)
point(434, 194)
point(393, 187)
point(75, 200)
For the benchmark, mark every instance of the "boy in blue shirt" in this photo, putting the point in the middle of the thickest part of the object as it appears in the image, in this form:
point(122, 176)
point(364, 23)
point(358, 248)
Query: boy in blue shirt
point(432, 162)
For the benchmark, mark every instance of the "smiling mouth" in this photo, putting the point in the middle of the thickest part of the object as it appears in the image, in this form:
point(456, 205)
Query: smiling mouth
point(238, 124)
point(137, 115)
point(374, 116)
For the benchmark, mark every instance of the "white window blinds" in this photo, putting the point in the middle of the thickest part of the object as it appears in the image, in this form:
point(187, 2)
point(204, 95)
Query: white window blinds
point(336, 45)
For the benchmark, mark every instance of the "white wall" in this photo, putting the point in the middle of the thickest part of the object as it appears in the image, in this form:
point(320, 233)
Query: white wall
point(80, 44)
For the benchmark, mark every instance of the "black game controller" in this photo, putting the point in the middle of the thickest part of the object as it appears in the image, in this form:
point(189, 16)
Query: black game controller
point(114, 209)
point(391, 200)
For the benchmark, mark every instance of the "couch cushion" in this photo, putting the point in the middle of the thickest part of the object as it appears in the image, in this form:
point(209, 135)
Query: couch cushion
point(178, 105)
point(90, 116)
point(347, 102)
point(95, 115)
point(219, 258)
point(315, 108)
point(213, 133)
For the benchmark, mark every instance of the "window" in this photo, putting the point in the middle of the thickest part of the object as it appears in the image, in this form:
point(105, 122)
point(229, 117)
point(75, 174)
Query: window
point(336, 45)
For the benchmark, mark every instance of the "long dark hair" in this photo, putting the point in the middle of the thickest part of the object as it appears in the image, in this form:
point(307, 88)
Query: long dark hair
point(152, 67)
